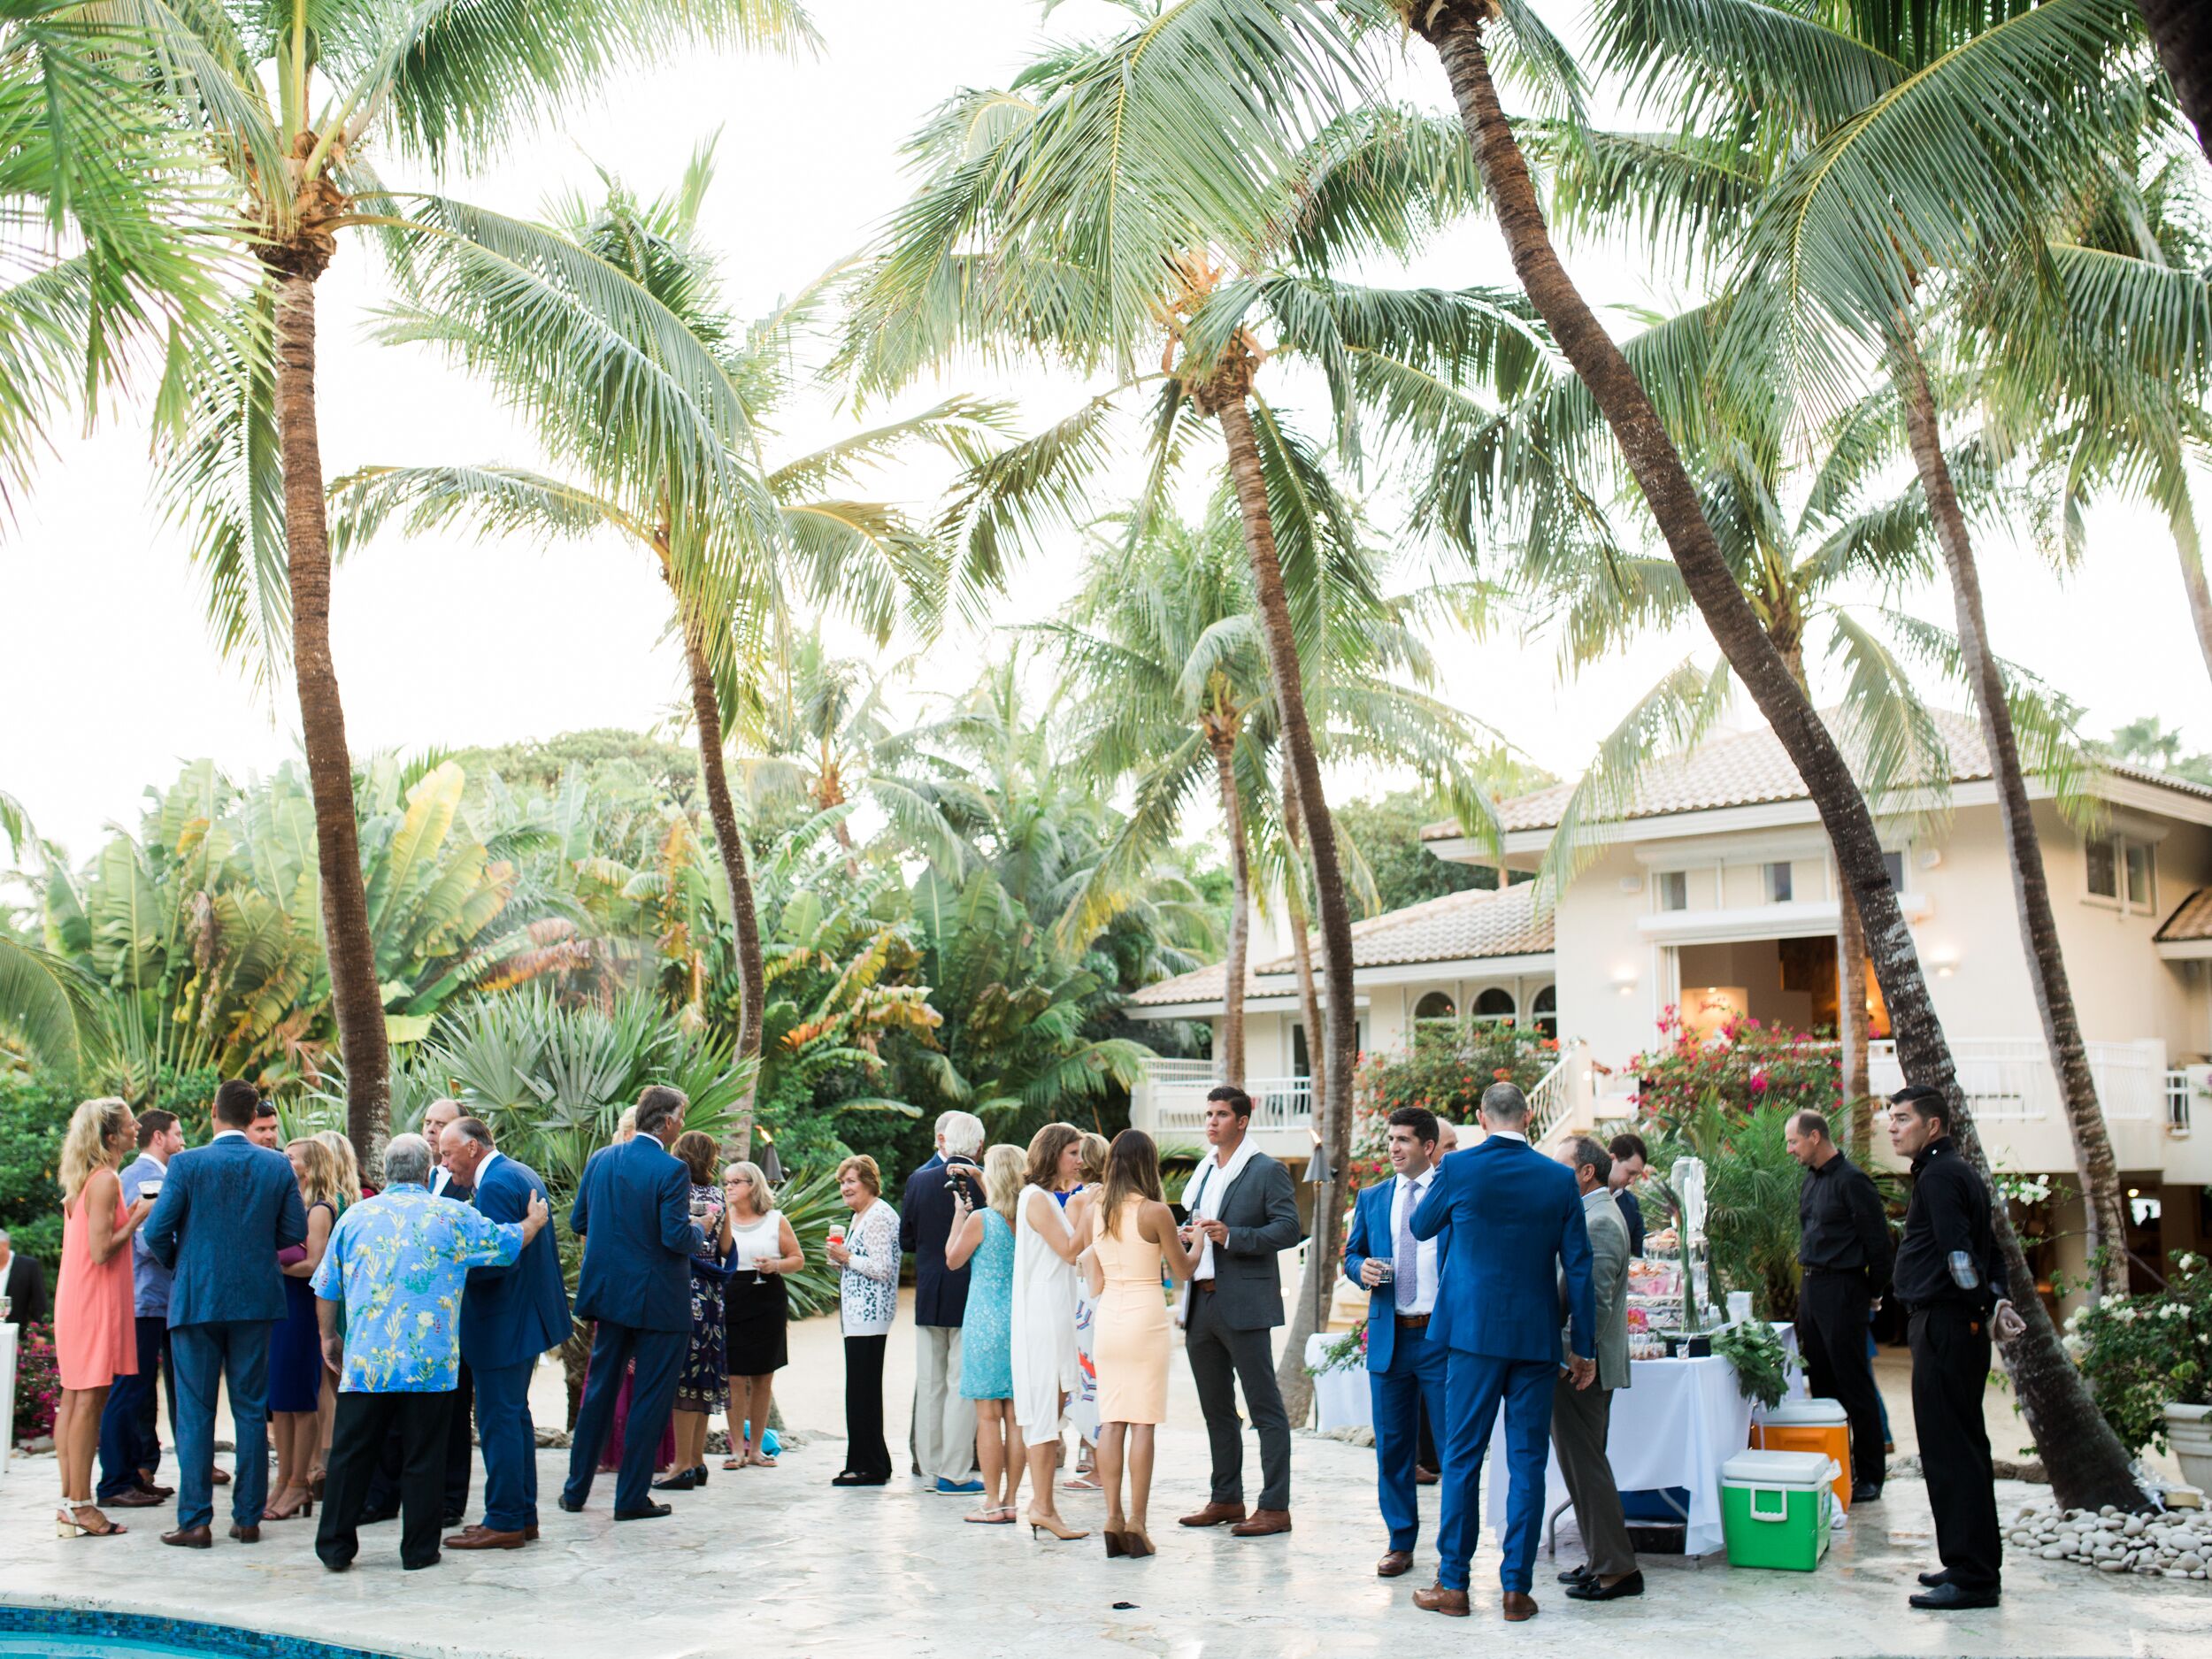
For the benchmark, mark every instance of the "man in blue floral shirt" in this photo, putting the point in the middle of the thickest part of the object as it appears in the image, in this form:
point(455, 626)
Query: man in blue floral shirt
point(399, 1261)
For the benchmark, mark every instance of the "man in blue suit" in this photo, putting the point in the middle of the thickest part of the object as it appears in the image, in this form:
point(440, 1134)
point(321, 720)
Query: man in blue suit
point(509, 1317)
point(1513, 1224)
point(1404, 1368)
point(633, 1212)
point(226, 1209)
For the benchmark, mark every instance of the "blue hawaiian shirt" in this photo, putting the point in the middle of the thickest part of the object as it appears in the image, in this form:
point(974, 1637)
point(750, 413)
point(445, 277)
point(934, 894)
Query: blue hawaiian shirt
point(400, 1262)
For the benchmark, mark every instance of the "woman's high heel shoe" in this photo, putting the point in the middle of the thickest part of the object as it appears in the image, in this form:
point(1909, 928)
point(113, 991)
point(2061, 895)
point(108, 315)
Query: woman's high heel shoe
point(1051, 1523)
point(301, 1505)
point(69, 1521)
point(1136, 1544)
point(1115, 1547)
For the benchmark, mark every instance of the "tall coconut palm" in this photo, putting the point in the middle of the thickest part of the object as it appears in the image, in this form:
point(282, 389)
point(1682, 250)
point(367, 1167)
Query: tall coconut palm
point(1163, 642)
point(731, 537)
point(443, 81)
point(1176, 195)
point(2182, 31)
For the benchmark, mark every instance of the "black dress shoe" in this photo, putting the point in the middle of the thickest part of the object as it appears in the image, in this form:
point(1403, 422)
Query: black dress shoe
point(1942, 1575)
point(650, 1512)
point(850, 1477)
point(451, 1518)
point(1591, 1590)
point(1576, 1575)
point(377, 1518)
point(1951, 1598)
point(574, 1508)
point(683, 1482)
point(1867, 1491)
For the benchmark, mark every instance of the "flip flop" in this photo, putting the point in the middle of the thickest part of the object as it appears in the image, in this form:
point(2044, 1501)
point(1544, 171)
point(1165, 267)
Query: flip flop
point(1002, 1515)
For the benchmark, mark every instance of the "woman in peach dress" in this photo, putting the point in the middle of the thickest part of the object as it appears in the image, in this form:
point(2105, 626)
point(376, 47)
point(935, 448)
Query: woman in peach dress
point(95, 1335)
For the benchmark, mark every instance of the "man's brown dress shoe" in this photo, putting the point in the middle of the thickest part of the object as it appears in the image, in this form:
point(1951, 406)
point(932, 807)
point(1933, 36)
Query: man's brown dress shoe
point(131, 1498)
point(164, 1492)
point(245, 1535)
point(530, 1532)
point(1437, 1599)
point(220, 1477)
point(1423, 1477)
point(1394, 1562)
point(484, 1537)
point(1263, 1524)
point(189, 1538)
point(1518, 1605)
point(1215, 1513)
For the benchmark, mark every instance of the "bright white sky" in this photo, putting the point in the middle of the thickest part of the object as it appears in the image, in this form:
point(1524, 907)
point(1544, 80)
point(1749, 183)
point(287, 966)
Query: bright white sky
point(107, 680)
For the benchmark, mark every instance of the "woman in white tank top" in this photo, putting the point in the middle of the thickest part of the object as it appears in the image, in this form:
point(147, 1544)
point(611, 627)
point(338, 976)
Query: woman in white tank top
point(1046, 1368)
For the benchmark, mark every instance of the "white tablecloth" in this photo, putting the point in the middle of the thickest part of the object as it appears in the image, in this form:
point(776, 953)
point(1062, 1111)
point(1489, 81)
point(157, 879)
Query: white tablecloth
point(1675, 1424)
point(1340, 1399)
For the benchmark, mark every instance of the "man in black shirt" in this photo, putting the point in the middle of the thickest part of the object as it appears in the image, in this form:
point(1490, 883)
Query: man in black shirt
point(1844, 1248)
point(1952, 1283)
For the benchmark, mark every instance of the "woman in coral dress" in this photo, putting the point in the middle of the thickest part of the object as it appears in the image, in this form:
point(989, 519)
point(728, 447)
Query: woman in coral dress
point(95, 1338)
point(1131, 1236)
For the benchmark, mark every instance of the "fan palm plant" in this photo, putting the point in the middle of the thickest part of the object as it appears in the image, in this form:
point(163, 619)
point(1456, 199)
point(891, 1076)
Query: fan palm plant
point(729, 552)
point(288, 102)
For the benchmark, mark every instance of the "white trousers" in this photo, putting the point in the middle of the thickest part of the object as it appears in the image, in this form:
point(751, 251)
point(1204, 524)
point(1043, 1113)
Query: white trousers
point(944, 1421)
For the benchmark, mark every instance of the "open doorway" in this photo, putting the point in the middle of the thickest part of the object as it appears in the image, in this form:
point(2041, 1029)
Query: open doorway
point(1789, 981)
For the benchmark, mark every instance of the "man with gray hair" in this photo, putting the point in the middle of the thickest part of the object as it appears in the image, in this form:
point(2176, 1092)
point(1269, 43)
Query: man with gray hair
point(1582, 1417)
point(399, 1261)
point(944, 1423)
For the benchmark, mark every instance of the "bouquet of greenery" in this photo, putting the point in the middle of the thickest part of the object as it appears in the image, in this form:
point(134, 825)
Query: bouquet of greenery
point(1762, 1365)
point(1346, 1353)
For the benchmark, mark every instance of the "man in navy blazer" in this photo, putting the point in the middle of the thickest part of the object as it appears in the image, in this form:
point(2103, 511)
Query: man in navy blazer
point(1405, 1369)
point(1516, 1233)
point(509, 1317)
point(226, 1209)
point(633, 1212)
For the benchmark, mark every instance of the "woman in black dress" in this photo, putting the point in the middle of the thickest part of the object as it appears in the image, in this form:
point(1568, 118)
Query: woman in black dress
point(700, 1391)
point(757, 1308)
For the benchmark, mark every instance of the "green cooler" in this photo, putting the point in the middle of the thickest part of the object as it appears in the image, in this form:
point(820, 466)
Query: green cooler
point(1776, 1509)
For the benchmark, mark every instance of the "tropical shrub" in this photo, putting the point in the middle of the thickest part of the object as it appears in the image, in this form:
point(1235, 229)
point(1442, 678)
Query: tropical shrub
point(2142, 1353)
point(37, 1383)
point(1444, 1067)
point(33, 1115)
point(1747, 1064)
point(1751, 1190)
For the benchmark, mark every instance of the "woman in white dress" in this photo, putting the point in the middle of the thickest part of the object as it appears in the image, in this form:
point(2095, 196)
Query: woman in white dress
point(1045, 1367)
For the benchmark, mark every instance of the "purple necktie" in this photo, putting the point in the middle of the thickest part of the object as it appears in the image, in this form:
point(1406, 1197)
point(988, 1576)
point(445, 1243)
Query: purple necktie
point(1406, 1261)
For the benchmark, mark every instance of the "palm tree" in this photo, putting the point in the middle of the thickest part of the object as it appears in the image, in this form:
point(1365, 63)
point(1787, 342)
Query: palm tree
point(442, 81)
point(726, 533)
point(2182, 31)
point(1933, 158)
point(1176, 195)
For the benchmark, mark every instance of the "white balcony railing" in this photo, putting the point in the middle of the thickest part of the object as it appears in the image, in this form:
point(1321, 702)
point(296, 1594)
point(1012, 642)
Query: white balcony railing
point(2179, 1087)
point(1171, 1105)
point(2010, 1080)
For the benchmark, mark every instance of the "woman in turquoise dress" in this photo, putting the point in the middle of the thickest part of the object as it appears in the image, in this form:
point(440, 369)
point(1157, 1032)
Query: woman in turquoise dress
point(983, 1240)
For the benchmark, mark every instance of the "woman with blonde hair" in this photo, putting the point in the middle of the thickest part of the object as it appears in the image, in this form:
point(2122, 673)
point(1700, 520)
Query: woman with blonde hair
point(1045, 1365)
point(348, 1168)
point(1131, 1237)
point(867, 1302)
point(96, 1334)
point(982, 1240)
point(757, 1309)
point(1082, 1411)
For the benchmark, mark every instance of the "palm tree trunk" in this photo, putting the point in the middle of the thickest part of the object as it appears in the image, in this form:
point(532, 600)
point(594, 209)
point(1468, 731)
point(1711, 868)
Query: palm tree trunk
point(1340, 1052)
point(2087, 1465)
point(2031, 887)
point(2182, 31)
point(2190, 553)
point(1851, 1035)
point(1334, 1129)
point(729, 842)
point(355, 997)
point(1229, 1059)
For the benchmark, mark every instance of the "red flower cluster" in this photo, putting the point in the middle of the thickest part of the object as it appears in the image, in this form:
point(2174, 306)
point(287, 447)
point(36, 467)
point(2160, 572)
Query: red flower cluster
point(1747, 1062)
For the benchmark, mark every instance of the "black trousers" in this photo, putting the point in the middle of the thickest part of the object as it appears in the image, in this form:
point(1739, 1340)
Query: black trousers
point(1219, 1359)
point(1950, 1371)
point(384, 1483)
point(1424, 1455)
point(865, 1453)
point(357, 1441)
point(1832, 1310)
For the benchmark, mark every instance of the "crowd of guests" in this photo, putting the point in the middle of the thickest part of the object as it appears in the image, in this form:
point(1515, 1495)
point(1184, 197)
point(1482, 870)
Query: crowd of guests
point(363, 1330)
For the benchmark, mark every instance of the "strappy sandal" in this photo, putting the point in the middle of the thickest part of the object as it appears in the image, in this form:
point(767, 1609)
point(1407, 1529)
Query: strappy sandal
point(69, 1522)
point(996, 1515)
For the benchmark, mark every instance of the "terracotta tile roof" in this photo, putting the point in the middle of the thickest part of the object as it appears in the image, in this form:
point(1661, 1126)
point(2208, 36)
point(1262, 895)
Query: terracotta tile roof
point(1480, 922)
point(1750, 768)
point(2190, 919)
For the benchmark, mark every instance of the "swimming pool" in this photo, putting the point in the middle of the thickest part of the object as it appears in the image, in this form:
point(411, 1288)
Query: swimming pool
point(41, 1633)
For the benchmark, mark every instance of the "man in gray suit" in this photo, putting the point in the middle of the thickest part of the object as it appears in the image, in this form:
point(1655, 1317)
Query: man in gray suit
point(1581, 1417)
point(1243, 1215)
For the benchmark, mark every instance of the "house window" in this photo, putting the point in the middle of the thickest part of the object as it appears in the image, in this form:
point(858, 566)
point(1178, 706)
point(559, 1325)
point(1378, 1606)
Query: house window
point(2122, 870)
point(1435, 1005)
point(1778, 883)
point(1493, 1004)
point(1894, 866)
point(1674, 890)
point(1546, 1009)
point(2136, 861)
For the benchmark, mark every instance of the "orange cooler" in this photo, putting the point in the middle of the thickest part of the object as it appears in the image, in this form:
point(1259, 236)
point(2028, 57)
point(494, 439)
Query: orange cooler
point(1809, 1425)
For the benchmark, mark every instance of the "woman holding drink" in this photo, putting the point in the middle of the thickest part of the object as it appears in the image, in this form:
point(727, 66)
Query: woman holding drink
point(701, 1390)
point(755, 1309)
point(867, 1258)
